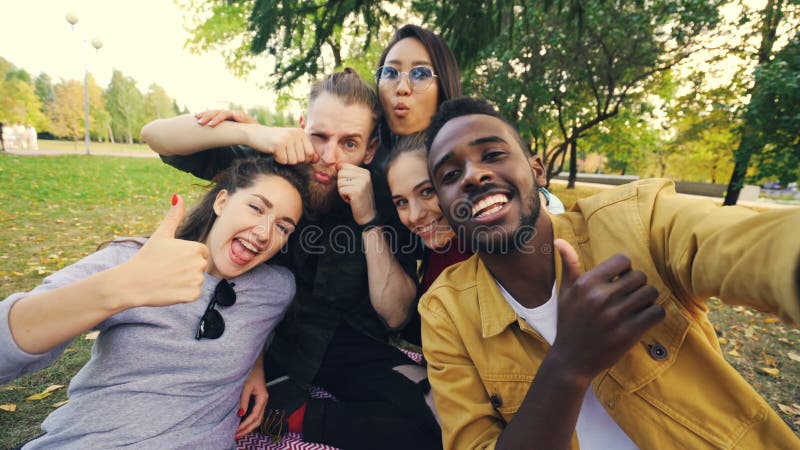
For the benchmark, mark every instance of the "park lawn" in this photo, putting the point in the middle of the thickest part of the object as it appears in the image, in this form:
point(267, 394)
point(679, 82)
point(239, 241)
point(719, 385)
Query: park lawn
point(57, 209)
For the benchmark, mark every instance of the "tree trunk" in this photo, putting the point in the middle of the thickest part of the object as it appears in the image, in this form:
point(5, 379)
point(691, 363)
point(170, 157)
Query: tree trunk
point(573, 163)
point(770, 19)
point(742, 155)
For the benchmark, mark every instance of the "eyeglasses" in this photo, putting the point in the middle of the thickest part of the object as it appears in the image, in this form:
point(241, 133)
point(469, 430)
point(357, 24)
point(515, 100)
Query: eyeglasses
point(419, 77)
point(212, 325)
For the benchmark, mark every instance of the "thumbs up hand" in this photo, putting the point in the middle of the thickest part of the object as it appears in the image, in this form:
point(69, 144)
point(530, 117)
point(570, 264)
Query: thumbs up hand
point(602, 313)
point(166, 270)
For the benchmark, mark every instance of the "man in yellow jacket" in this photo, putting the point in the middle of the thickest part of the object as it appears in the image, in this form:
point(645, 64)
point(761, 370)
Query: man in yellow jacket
point(589, 329)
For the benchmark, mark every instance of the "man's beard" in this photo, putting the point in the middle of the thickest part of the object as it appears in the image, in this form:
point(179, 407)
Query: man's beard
point(521, 235)
point(321, 197)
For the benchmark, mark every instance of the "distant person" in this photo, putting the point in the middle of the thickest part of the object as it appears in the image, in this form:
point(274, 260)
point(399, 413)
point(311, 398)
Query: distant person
point(2, 137)
point(183, 317)
point(8, 137)
point(31, 138)
point(19, 136)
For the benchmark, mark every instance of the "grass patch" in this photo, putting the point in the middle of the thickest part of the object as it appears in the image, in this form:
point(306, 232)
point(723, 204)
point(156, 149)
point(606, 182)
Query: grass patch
point(57, 209)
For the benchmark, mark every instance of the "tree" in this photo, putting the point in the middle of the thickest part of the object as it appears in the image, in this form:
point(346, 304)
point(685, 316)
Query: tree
point(66, 110)
point(44, 88)
point(273, 119)
point(772, 17)
point(99, 118)
point(705, 122)
point(305, 38)
point(157, 104)
point(626, 140)
point(558, 69)
point(125, 103)
point(19, 102)
point(773, 107)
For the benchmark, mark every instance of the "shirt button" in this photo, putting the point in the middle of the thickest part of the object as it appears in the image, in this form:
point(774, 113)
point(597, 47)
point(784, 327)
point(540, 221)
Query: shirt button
point(497, 401)
point(658, 352)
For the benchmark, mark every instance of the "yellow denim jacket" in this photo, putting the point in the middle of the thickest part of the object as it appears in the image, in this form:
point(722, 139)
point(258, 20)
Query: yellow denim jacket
point(672, 390)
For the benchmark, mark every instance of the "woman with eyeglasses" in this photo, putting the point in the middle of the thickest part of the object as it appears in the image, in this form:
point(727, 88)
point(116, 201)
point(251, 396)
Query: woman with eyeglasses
point(183, 317)
point(416, 73)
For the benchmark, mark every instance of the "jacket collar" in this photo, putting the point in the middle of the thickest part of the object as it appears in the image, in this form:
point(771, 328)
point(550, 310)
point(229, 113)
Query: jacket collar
point(496, 313)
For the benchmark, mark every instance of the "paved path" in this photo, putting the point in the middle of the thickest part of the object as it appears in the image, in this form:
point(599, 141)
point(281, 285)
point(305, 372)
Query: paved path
point(51, 152)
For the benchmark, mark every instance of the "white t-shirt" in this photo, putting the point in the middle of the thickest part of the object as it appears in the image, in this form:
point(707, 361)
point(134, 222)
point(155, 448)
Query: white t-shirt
point(595, 428)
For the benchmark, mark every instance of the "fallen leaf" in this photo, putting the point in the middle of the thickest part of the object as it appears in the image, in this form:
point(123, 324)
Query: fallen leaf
point(60, 404)
point(53, 387)
point(771, 320)
point(794, 356)
point(9, 388)
point(735, 353)
point(723, 341)
point(10, 407)
point(789, 410)
point(91, 335)
point(784, 340)
point(770, 361)
point(45, 393)
point(750, 332)
point(770, 371)
point(38, 396)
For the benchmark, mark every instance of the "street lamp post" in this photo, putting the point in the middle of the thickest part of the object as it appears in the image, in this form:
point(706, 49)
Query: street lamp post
point(97, 44)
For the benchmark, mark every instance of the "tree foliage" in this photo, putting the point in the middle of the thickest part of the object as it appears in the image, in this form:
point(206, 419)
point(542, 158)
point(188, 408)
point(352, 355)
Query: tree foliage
point(305, 38)
point(775, 15)
point(774, 112)
point(125, 103)
point(66, 111)
point(561, 68)
point(59, 108)
point(157, 104)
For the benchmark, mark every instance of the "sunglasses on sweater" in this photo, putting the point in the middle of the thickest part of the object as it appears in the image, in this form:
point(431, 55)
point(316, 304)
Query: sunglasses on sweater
point(212, 325)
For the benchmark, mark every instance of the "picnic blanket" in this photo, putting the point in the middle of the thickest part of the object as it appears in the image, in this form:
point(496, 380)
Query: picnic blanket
point(294, 441)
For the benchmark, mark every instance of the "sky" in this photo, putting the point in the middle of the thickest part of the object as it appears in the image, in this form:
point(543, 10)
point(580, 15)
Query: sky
point(142, 38)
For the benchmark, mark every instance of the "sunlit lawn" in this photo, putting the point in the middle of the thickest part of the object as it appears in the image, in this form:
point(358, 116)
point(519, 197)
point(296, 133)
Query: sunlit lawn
point(56, 209)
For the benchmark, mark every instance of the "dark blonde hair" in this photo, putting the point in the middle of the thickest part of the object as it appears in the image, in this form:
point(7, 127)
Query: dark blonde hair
point(350, 88)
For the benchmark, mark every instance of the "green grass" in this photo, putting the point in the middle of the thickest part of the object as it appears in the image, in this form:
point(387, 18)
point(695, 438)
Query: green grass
point(57, 209)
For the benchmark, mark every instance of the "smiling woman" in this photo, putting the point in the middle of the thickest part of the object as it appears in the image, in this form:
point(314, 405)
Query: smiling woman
point(162, 305)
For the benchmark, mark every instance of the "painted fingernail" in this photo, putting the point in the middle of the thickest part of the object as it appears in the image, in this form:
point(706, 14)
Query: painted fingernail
point(241, 412)
point(174, 199)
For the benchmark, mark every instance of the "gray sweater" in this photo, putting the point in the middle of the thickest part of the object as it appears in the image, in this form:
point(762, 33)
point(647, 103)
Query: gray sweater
point(149, 382)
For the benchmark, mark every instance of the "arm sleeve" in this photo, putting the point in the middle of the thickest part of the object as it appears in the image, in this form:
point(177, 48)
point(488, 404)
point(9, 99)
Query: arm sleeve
point(14, 362)
point(465, 411)
point(741, 256)
point(209, 163)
